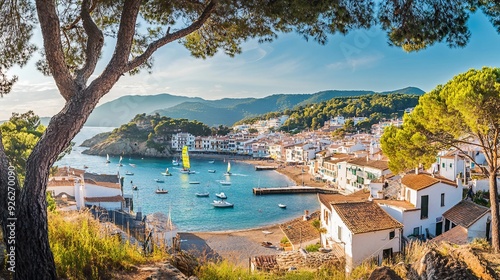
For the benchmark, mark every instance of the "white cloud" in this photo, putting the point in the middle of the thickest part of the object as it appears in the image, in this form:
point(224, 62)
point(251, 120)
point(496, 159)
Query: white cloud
point(357, 62)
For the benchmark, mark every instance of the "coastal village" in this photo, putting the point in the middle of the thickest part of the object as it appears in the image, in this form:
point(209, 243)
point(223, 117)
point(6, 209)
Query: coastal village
point(366, 213)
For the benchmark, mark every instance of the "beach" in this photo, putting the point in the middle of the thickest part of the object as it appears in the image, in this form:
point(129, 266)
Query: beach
point(240, 245)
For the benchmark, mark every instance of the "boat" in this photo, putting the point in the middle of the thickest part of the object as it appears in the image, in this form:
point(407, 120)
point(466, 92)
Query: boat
point(222, 204)
point(107, 158)
point(225, 183)
point(228, 172)
point(166, 173)
point(120, 161)
point(131, 164)
point(186, 166)
point(135, 188)
point(194, 182)
point(161, 191)
point(211, 161)
point(282, 205)
point(211, 170)
point(175, 162)
point(129, 173)
point(159, 181)
point(205, 194)
point(85, 167)
point(221, 195)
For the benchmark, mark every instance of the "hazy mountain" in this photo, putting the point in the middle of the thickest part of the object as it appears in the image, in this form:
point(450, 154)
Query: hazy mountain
point(125, 108)
point(212, 112)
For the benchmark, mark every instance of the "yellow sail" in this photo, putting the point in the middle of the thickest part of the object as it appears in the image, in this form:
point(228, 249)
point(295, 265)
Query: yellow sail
point(185, 158)
point(228, 167)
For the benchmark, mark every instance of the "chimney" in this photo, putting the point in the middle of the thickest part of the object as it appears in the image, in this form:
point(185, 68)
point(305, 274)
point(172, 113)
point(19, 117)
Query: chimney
point(416, 170)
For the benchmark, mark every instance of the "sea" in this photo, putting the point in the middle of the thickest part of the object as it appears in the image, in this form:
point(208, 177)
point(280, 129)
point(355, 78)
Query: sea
point(189, 212)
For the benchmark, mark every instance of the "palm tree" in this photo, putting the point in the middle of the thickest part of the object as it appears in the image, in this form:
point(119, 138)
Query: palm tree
point(317, 225)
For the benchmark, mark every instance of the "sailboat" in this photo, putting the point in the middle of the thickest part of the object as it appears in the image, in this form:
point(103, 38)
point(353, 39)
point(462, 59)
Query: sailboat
point(120, 162)
point(186, 166)
point(107, 158)
point(166, 173)
point(228, 172)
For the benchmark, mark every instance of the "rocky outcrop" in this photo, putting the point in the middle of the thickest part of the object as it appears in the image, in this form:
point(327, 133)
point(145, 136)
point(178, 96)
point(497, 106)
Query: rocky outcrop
point(434, 265)
point(101, 137)
point(384, 273)
point(126, 147)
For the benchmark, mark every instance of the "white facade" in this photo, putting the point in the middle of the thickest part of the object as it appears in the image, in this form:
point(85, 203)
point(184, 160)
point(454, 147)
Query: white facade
point(451, 167)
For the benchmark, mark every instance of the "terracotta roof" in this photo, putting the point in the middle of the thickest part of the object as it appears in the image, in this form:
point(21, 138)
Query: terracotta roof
point(102, 177)
point(60, 183)
point(465, 213)
point(362, 217)
point(378, 164)
point(265, 263)
point(298, 230)
point(328, 199)
point(116, 198)
point(68, 171)
point(456, 235)
point(423, 180)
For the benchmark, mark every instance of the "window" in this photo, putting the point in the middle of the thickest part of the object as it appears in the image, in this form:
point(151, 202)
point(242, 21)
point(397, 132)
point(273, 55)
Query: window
point(424, 207)
point(416, 231)
point(442, 199)
point(392, 234)
point(443, 164)
point(451, 165)
point(339, 233)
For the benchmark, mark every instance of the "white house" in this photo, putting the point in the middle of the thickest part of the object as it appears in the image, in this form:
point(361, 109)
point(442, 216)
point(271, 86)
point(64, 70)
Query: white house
point(357, 173)
point(424, 200)
point(358, 228)
point(107, 202)
point(474, 218)
point(451, 166)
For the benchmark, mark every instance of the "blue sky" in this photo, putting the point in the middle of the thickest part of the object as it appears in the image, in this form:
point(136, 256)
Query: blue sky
point(360, 60)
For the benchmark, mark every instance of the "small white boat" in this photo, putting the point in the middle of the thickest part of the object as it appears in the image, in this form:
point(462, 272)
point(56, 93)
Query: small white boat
point(135, 188)
point(161, 191)
point(175, 162)
point(194, 182)
point(159, 181)
point(221, 195)
point(225, 183)
point(129, 173)
point(282, 205)
point(222, 204)
point(131, 164)
point(211, 170)
point(85, 167)
point(166, 173)
point(206, 194)
point(211, 161)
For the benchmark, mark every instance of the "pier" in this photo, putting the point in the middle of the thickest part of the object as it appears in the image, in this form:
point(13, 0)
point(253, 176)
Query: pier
point(292, 190)
point(262, 168)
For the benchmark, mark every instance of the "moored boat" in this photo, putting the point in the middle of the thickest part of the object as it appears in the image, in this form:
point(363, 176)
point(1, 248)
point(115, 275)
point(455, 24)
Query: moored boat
point(206, 194)
point(222, 204)
point(161, 191)
point(282, 205)
point(159, 181)
point(225, 183)
point(221, 195)
point(211, 170)
point(194, 182)
point(129, 173)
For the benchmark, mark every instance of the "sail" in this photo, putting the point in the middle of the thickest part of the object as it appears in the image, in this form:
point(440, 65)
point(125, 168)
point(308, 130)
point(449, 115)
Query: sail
point(185, 158)
point(107, 156)
point(228, 167)
point(121, 158)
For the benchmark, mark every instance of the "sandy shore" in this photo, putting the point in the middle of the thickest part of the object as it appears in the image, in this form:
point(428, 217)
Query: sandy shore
point(238, 246)
point(235, 246)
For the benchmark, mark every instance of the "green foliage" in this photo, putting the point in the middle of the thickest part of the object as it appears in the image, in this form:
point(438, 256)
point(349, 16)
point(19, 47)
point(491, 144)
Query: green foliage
point(313, 247)
point(51, 203)
point(284, 240)
point(20, 135)
point(84, 250)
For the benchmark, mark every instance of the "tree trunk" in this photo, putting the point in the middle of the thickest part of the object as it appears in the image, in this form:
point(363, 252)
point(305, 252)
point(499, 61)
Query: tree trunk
point(495, 229)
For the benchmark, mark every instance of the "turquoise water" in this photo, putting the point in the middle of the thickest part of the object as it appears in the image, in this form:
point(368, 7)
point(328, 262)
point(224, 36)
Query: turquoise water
point(192, 213)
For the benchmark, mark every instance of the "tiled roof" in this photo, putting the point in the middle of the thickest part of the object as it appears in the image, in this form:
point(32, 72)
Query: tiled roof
point(298, 230)
point(102, 177)
point(328, 199)
point(423, 180)
point(265, 263)
point(378, 164)
point(68, 171)
point(465, 213)
point(362, 217)
point(103, 184)
point(116, 198)
point(456, 235)
point(60, 183)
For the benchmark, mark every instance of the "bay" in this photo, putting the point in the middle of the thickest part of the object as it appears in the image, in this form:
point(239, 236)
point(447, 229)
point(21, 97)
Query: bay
point(189, 212)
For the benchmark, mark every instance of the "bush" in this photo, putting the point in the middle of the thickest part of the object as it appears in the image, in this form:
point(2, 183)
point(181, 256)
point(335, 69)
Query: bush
point(313, 247)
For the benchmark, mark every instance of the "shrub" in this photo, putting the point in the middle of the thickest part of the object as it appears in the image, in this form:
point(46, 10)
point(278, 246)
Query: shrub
point(313, 247)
